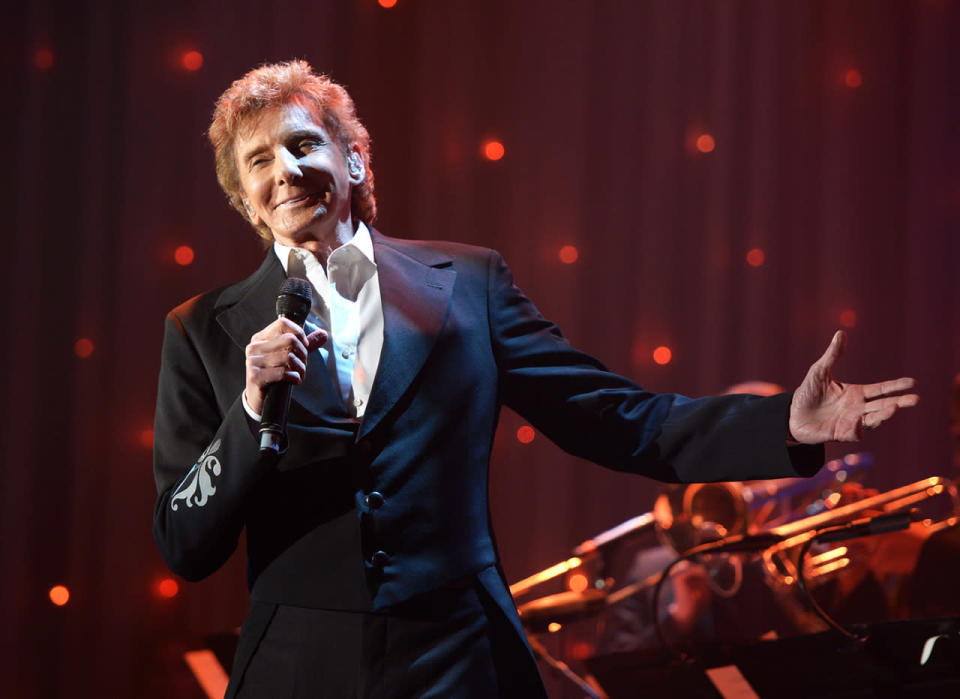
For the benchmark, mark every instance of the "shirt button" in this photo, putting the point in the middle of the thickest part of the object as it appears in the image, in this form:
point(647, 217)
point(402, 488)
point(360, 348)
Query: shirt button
point(357, 402)
point(379, 559)
point(374, 500)
point(346, 354)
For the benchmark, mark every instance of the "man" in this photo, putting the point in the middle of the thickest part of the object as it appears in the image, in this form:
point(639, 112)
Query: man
point(372, 566)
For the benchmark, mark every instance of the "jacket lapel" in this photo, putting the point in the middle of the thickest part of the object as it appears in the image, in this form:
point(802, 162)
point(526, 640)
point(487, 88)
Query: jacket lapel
point(247, 307)
point(416, 284)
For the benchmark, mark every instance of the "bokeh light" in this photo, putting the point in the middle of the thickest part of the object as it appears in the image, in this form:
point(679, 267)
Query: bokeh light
point(581, 650)
point(554, 626)
point(43, 59)
point(853, 78)
point(167, 588)
point(387, 3)
point(756, 257)
point(848, 318)
point(59, 595)
point(705, 143)
point(83, 347)
point(493, 150)
point(578, 582)
point(569, 254)
point(191, 60)
point(183, 255)
point(662, 355)
point(526, 434)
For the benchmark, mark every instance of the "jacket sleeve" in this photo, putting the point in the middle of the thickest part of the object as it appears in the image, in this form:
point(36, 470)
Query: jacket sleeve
point(206, 462)
point(593, 413)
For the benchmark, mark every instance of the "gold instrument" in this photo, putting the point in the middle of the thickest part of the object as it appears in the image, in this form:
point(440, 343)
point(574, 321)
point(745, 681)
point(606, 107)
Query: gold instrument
point(691, 515)
point(700, 515)
point(780, 562)
point(687, 515)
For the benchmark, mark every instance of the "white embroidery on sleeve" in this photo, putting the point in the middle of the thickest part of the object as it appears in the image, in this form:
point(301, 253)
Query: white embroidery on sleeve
point(200, 486)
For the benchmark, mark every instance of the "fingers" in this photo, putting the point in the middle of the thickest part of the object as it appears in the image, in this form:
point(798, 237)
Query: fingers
point(262, 377)
point(263, 369)
point(285, 352)
point(279, 353)
point(278, 340)
point(885, 388)
point(316, 339)
point(834, 350)
point(280, 326)
point(876, 418)
point(905, 401)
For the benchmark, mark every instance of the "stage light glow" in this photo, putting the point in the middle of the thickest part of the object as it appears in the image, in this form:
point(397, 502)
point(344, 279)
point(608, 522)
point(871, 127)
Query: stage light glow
point(168, 588)
point(553, 627)
point(43, 59)
point(387, 3)
point(146, 438)
point(493, 150)
point(83, 347)
point(705, 143)
point(578, 582)
point(581, 650)
point(662, 355)
point(848, 318)
point(569, 254)
point(183, 255)
point(853, 78)
point(191, 60)
point(756, 257)
point(526, 434)
point(59, 595)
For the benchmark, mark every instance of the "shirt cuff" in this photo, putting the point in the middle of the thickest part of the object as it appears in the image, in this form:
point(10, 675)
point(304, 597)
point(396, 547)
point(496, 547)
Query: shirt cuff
point(246, 407)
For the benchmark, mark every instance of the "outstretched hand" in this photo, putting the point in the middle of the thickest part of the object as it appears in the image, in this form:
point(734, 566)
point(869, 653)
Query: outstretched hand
point(824, 410)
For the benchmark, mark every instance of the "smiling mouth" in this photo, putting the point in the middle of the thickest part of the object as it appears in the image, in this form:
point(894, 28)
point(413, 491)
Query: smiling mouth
point(326, 196)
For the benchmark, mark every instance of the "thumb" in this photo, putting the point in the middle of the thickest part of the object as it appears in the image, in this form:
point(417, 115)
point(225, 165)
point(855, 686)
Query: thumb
point(834, 350)
point(316, 339)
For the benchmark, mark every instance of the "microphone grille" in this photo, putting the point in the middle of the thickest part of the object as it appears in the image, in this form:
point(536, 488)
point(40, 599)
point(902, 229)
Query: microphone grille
point(295, 299)
point(297, 287)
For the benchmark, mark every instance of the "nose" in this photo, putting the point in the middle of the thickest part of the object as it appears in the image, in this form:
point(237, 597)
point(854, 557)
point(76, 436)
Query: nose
point(286, 168)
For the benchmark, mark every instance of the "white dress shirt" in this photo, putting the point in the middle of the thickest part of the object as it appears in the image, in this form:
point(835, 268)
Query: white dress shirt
point(346, 303)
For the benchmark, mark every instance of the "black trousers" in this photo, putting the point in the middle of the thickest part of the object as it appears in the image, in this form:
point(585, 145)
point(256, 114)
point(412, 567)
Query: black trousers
point(451, 643)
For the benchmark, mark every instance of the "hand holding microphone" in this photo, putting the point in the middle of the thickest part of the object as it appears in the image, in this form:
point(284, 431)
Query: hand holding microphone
point(276, 360)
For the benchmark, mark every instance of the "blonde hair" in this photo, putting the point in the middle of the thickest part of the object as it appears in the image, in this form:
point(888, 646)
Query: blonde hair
point(275, 85)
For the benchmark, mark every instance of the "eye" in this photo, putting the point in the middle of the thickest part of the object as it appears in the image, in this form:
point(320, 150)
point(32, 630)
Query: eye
point(310, 144)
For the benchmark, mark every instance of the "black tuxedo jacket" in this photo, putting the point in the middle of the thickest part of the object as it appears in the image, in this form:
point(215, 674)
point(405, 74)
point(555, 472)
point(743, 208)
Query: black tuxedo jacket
point(460, 340)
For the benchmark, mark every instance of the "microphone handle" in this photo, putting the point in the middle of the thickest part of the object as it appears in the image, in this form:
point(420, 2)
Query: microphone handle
point(273, 419)
point(881, 524)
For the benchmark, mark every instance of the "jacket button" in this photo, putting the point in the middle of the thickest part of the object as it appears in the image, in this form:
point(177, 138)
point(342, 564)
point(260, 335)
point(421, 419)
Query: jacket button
point(374, 500)
point(379, 559)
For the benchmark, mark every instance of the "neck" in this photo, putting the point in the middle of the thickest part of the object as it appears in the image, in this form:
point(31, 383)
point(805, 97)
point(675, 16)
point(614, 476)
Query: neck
point(321, 245)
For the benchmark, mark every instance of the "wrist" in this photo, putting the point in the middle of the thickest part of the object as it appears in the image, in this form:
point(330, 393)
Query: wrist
point(254, 409)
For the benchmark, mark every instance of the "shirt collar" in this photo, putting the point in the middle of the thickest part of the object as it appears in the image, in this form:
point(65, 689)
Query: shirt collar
point(360, 240)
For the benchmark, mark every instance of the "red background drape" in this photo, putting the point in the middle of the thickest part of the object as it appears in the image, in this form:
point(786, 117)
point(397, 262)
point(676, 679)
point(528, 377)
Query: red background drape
point(852, 193)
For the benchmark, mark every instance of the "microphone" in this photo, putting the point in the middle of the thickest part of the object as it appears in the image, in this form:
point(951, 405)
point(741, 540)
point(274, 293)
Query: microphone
point(740, 543)
point(881, 524)
point(294, 303)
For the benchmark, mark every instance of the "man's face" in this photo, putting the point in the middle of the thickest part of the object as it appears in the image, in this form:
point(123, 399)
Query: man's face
point(295, 178)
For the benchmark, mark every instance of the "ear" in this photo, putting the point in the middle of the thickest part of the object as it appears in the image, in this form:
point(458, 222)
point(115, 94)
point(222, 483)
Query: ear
point(252, 215)
point(355, 166)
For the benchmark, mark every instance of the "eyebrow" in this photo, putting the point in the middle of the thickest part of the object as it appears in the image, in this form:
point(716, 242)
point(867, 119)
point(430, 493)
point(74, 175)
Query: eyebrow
point(254, 150)
point(298, 134)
